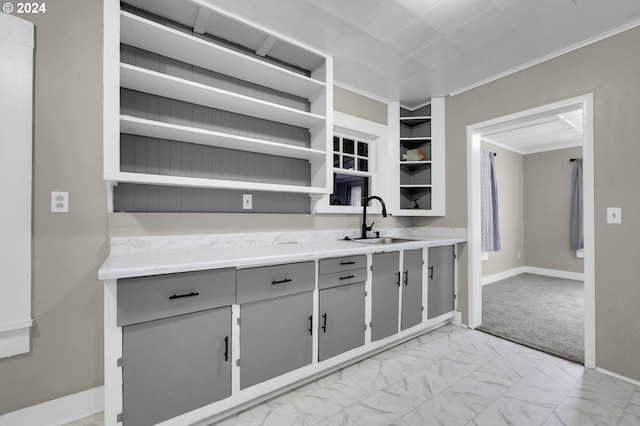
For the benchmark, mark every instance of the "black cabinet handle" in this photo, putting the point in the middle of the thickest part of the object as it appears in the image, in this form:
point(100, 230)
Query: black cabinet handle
point(226, 349)
point(406, 277)
point(398, 279)
point(180, 296)
point(348, 263)
point(431, 272)
point(324, 325)
point(311, 325)
point(286, 280)
point(347, 277)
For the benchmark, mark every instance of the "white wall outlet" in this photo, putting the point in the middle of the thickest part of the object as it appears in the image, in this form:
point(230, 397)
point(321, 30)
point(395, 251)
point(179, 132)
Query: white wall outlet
point(247, 201)
point(59, 202)
point(614, 215)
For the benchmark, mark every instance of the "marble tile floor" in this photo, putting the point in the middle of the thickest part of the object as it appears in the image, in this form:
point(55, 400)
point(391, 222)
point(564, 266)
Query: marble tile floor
point(453, 376)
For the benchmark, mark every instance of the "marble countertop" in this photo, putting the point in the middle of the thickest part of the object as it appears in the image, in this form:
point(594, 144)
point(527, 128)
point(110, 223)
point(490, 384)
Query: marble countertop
point(135, 257)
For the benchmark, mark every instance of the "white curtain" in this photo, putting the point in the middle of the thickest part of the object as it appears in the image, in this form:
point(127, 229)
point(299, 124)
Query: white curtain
point(489, 226)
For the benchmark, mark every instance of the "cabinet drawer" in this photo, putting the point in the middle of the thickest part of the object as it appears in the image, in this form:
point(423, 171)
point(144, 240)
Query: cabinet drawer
point(342, 278)
point(267, 282)
point(339, 264)
point(162, 296)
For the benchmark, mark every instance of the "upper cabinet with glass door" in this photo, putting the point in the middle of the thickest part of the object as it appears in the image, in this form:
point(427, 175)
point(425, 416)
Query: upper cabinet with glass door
point(417, 148)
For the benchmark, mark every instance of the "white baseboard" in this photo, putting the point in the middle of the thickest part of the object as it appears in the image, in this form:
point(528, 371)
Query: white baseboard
point(457, 318)
point(502, 275)
point(618, 376)
point(578, 276)
point(59, 411)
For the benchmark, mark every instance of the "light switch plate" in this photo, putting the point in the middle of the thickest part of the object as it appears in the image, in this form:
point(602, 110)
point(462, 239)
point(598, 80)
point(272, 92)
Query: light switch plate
point(614, 215)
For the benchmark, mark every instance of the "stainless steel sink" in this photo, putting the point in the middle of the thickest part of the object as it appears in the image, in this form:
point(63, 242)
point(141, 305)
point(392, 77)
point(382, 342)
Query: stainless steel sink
point(382, 240)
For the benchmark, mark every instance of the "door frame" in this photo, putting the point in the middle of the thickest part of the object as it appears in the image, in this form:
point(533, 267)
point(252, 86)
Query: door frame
point(474, 135)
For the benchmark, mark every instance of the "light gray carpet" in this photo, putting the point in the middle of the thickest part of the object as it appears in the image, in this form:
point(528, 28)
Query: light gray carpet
point(541, 312)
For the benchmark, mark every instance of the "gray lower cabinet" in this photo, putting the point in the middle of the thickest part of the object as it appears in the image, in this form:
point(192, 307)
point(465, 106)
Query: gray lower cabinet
point(175, 365)
point(411, 288)
point(342, 321)
point(275, 337)
point(441, 280)
point(385, 295)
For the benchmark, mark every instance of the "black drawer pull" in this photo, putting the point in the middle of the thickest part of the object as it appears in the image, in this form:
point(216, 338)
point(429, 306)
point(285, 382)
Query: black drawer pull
point(324, 326)
point(180, 296)
point(311, 325)
point(226, 349)
point(347, 277)
point(286, 280)
point(398, 279)
point(348, 263)
point(431, 272)
point(406, 277)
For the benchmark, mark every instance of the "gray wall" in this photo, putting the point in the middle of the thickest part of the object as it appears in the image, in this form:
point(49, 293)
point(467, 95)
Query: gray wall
point(547, 191)
point(609, 70)
point(360, 106)
point(509, 176)
point(67, 350)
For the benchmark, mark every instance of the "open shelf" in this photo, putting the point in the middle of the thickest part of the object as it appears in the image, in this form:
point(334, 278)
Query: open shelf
point(156, 129)
point(414, 121)
point(166, 180)
point(155, 83)
point(157, 38)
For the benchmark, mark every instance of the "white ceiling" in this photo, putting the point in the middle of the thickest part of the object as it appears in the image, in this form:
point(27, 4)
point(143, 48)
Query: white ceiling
point(412, 50)
point(545, 132)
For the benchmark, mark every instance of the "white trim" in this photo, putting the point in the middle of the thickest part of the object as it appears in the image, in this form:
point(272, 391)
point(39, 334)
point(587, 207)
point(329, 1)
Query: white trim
point(578, 276)
point(556, 273)
point(15, 342)
point(553, 55)
point(15, 338)
point(58, 411)
point(474, 135)
point(15, 325)
point(489, 279)
point(618, 376)
point(546, 148)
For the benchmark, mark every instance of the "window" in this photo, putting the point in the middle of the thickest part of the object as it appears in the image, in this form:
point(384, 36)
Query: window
point(351, 172)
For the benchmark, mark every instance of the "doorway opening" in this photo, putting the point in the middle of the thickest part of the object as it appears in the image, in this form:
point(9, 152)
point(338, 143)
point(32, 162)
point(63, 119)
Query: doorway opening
point(475, 133)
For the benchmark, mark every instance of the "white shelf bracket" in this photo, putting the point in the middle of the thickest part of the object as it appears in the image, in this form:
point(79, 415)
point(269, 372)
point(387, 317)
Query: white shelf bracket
point(266, 46)
point(204, 15)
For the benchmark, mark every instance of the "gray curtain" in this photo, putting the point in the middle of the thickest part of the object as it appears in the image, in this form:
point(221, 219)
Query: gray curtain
point(577, 225)
point(489, 226)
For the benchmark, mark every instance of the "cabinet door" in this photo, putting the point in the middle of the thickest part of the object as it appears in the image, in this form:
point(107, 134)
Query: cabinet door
point(175, 365)
point(341, 322)
point(441, 281)
point(411, 288)
point(275, 337)
point(385, 295)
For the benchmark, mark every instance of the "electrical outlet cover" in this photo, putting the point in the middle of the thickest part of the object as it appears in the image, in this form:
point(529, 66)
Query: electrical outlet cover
point(247, 201)
point(59, 202)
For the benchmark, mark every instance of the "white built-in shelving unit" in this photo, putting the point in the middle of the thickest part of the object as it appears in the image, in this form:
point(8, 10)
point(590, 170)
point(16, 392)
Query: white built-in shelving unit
point(150, 27)
point(418, 185)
